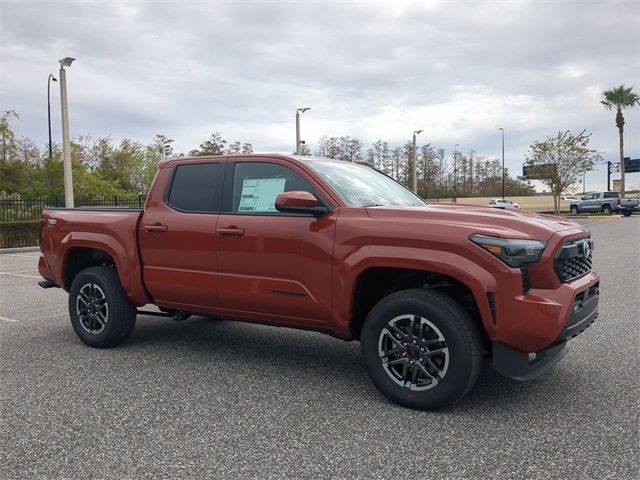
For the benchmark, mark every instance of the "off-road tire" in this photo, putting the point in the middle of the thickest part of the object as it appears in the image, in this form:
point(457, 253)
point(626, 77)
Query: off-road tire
point(461, 335)
point(574, 210)
point(121, 313)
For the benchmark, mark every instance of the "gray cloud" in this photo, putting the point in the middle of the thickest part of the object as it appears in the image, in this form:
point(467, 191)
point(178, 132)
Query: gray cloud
point(373, 70)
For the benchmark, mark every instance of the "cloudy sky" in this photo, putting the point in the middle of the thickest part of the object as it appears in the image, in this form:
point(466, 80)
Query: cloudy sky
point(458, 70)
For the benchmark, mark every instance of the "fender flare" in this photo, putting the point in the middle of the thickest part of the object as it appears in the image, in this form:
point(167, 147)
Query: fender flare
point(469, 273)
point(126, 261)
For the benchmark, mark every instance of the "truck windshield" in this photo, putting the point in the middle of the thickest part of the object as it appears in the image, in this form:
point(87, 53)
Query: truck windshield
point(362, 186)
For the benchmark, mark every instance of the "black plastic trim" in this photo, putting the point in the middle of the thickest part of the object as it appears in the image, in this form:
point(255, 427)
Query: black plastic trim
point(47, 284)
point(519, 366)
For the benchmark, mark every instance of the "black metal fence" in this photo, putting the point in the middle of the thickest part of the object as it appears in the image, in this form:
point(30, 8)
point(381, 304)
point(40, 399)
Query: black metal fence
point(15, 210)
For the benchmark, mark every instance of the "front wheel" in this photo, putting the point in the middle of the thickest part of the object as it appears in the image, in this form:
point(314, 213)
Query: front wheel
point(101, 314)
point(574, 210)
point(421, 349)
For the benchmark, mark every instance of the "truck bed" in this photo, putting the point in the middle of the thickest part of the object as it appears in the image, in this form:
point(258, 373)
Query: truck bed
point(68, 233)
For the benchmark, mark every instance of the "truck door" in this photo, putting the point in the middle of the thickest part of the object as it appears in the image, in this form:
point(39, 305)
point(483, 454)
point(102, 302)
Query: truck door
point(177, 235)
point(272, 262)
point(595, 202)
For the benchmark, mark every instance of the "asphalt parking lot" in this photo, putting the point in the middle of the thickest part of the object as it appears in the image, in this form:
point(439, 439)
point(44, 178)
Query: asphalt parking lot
point(221, 399)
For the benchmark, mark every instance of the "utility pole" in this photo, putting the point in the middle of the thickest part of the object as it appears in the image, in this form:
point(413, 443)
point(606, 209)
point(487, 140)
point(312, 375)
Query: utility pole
point(298, 112)
point(66, 143)
point(415, 158)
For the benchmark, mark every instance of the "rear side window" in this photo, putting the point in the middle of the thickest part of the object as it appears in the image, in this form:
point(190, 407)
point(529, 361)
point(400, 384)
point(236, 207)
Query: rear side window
point(611, 195)
point(196, 188)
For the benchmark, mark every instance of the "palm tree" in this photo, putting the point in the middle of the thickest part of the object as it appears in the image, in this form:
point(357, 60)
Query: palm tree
point(619, 98)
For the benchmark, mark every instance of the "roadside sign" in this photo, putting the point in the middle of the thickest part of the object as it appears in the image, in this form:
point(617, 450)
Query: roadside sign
point(631, 165)
point(616, 185)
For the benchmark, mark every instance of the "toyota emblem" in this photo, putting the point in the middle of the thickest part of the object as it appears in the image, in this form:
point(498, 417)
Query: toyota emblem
point(586, 248)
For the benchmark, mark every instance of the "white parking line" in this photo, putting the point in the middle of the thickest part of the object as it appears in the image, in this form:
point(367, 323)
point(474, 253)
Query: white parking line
point(10, 320)
point(18, 255)
point(20, 275)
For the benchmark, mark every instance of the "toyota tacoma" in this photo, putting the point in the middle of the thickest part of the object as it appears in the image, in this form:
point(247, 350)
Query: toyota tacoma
point(430, 291)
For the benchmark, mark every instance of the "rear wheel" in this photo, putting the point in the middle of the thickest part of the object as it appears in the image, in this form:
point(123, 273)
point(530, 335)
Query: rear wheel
point(574, 209)
point(101, 314)
point(606, 209)
point(626, 212)
point(421, 349)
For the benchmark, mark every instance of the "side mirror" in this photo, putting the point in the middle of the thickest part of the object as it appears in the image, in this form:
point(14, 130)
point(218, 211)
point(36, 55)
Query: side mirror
point(299, 202)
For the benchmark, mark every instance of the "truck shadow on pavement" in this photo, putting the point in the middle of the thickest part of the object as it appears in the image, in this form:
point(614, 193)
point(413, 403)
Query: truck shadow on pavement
point(318, 363)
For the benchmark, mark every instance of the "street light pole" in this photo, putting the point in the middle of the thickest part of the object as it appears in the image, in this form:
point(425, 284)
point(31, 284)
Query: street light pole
point(298, 112)
point(415, 161)
point(51, 77)
point(66, 143)
point(502, 130)
point(455, 173)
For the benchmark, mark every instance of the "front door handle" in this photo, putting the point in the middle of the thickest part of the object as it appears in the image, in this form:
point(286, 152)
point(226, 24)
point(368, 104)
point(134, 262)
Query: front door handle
point(157, 228)
point(230, 232)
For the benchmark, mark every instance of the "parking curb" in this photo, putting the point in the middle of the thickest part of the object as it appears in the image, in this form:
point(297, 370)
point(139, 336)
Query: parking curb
point(18, 250)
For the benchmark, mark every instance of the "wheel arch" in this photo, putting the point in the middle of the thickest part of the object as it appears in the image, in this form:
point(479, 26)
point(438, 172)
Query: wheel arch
point(79, 253)
point(454, 275)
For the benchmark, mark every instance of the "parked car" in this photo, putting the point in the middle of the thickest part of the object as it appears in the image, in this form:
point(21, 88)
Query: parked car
point(629, 205)
point(605, 202)
point(568, 198)
point(334, 247)
point(503, 203)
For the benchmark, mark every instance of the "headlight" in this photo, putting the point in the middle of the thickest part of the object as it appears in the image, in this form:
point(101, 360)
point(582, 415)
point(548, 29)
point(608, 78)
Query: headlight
point(515, 253)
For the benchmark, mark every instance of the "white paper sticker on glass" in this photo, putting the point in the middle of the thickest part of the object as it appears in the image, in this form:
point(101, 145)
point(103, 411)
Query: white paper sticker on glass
point(259, 194)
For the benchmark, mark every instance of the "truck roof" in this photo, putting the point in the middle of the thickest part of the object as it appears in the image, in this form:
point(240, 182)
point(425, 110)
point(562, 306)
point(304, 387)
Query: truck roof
point(299, 158)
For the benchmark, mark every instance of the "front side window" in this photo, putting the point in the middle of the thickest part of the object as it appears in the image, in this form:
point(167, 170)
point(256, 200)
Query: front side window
point(256, 186)
point(196, 188)
point(362, 186)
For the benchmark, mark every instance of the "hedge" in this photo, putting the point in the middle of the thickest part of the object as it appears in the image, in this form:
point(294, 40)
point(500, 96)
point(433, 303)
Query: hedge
point(19, 234)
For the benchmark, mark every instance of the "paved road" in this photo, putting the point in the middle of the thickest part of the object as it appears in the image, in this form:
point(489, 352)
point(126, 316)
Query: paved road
point(218, 399)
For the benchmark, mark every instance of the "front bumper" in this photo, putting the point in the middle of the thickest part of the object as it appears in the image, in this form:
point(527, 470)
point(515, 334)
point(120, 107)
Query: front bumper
point(525, 366)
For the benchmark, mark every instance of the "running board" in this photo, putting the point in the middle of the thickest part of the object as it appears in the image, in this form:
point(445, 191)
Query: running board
point(177, 316)
point(155, 314)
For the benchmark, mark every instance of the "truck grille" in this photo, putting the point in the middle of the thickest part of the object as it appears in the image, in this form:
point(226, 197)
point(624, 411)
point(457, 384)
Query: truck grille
point(574, 259)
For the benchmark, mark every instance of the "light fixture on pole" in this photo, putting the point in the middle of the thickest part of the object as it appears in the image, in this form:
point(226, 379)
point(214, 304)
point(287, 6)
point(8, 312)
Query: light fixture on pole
point(455, 173)
point(298, 112)
point(415, 158)
point(502, 130)
point(66, 143)
point(51, 77)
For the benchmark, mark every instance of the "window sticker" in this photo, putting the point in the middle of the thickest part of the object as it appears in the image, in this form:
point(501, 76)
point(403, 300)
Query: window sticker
point(259, 194)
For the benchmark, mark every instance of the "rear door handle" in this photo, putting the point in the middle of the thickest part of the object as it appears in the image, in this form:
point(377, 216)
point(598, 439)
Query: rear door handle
point(157, 228)
point(230, 232)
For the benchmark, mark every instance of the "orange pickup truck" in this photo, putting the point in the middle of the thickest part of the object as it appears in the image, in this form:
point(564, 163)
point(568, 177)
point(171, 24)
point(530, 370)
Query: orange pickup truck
point(431, 291)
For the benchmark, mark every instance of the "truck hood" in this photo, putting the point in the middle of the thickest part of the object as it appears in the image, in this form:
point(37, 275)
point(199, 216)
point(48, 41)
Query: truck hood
point(513, 223)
